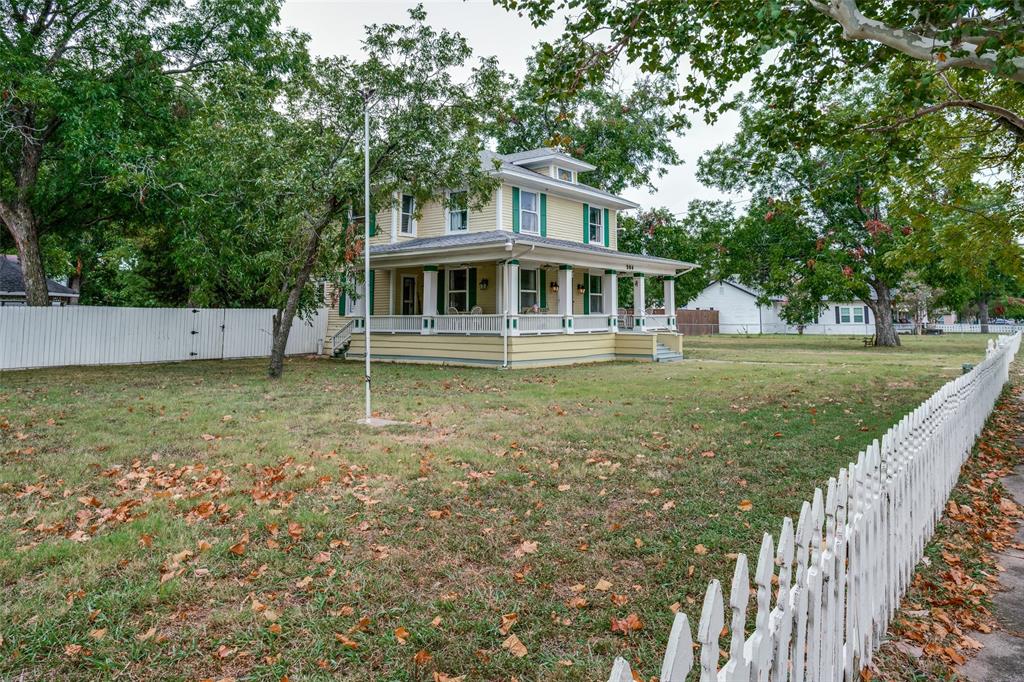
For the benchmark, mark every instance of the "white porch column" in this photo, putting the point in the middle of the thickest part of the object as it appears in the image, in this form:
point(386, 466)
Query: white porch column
point(429, 299)
point(391, 291)
point(565, 297)
point(610, 285)
point(512, 296)
point(639, 300)
point(360, 306)
point(670, 302)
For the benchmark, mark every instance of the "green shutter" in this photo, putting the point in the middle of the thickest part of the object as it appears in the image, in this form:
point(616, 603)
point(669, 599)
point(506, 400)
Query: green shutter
point(543, 277)
point(515, 209)
point(341, 304)
point(586, 293)
point(543, 216)
point(373, 280)
point(344, 217)
point(442, 275)
point(606, 242)
point(471, 294)
point(373, 223)
point(586, 223)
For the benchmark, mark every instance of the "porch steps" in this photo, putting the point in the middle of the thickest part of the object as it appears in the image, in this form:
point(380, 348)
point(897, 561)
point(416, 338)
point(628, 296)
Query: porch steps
point(666, 354)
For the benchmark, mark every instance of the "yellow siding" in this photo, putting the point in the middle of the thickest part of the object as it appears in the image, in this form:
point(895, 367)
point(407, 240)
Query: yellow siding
point(430, 222)
point(565, 219)
point(506, 207)
point(528, 351)
point(671, 340)
point(486, 218)
point(381, 291)
point(485, 350)
point(636, 346)
point(560, 348)
point(486, 298)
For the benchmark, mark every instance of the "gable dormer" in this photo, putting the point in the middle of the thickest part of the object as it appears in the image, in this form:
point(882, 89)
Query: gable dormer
point(552, 163)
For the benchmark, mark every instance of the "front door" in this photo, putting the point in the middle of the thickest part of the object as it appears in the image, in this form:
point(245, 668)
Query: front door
point(408, 295)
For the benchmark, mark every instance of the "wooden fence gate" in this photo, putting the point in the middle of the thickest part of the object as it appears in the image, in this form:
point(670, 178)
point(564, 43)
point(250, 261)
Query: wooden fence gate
point(697, 322)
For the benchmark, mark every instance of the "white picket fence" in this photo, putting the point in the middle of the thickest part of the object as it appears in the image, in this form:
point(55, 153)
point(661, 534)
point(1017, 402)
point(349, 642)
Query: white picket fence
point(853, 552)
point(87, 335)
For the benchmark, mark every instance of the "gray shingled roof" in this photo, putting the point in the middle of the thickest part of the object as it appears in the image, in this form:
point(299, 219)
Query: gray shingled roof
point(12, 282)
point(487, 158)
point(500, 237)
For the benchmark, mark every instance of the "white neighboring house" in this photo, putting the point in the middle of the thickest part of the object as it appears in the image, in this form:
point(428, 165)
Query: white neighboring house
point(739, 313)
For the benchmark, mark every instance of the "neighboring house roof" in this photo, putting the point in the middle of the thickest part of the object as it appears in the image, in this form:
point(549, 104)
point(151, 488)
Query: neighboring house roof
point(453, 247)
point(755, 292)
point(12, 281)
point(510, 167)
point(736, 284)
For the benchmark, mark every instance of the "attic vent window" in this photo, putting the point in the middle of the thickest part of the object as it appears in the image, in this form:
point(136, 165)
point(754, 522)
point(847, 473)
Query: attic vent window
point(566, 175)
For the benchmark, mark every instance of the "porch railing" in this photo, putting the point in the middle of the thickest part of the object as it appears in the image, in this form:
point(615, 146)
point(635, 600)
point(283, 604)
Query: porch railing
point(591, 323)
point(659, 322)
point(408, 324)
point(540, 324)
point(468, 324)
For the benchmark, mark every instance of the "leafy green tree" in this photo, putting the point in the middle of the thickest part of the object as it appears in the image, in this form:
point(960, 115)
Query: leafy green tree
point(828, 222)
point(626, 133)
point(698, 236)
point(791, 50)
point(266, 204)
point(92, 91)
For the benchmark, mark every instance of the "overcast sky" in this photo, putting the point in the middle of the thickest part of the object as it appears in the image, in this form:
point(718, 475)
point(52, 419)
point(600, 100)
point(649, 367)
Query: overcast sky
point(336, 27)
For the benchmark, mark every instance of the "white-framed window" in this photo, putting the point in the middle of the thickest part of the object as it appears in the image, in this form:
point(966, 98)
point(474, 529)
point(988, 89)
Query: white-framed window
point(596, 294)
point(458, 212)
point(529, 212)
point(529, 289)
point(565, 174)
point(596, 225)
point(848, 314)
point(407, 218)
point(458, 290)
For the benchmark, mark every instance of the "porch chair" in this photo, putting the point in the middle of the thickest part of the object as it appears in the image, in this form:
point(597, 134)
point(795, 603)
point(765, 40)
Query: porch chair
point(476, 310)
point(452, 310)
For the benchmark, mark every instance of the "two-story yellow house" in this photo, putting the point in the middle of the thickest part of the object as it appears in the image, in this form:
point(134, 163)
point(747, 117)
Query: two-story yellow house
point(530, 279)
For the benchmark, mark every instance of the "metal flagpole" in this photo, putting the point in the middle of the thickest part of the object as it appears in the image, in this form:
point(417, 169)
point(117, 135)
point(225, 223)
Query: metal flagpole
point(367, 288)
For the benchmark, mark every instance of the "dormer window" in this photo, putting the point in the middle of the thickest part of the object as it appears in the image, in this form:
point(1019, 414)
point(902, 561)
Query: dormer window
point(565, 175)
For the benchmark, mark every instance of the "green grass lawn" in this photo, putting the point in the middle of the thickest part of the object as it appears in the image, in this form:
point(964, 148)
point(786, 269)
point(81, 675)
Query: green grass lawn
point(195, 520)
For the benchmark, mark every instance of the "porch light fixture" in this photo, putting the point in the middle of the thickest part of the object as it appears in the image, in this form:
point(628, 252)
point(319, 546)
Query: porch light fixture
point(554, 287)
point(483, 284)
point(580, 289)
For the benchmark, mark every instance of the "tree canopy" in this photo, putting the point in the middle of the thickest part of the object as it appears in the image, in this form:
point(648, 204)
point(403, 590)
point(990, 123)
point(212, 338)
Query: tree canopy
point(624, 131)
point(90, 94)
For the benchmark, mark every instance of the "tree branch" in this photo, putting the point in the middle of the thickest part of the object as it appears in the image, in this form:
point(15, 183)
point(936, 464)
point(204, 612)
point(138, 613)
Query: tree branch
point(856, 26)
point(1006, 118)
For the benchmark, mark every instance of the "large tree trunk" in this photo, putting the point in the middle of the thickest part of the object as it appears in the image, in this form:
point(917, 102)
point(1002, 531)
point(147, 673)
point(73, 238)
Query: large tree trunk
point(20, 220)
point(885, 330)
point(283, 318)
point(983, 314)
point(26, 238)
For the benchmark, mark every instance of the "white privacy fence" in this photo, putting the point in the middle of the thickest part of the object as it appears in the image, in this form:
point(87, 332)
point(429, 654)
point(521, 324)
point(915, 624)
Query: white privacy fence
point(87, 335)
point(840, 575)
